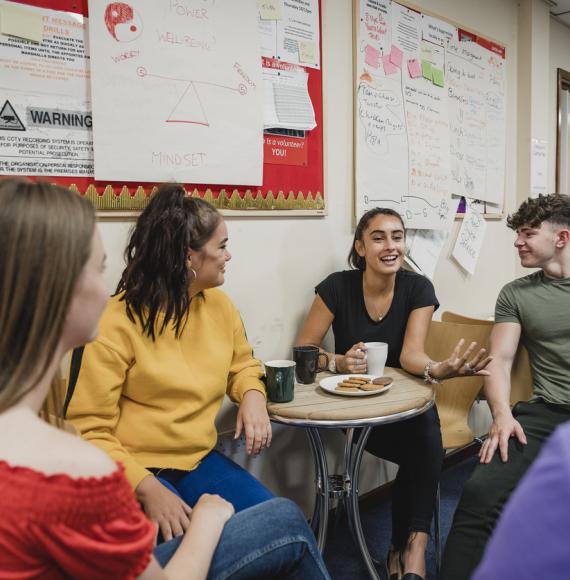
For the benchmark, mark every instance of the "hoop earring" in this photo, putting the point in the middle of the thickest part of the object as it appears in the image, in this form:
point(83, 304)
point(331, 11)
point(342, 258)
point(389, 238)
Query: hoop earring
point(194, 273)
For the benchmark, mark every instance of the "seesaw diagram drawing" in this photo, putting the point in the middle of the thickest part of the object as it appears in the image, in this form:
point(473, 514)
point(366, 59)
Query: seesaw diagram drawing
point(189, 107)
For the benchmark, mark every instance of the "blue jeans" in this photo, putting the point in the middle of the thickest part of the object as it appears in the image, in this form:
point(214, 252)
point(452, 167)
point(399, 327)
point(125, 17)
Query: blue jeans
point(269, 540)
point(219, 475)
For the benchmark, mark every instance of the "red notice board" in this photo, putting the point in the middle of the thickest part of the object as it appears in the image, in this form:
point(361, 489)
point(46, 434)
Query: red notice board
point(296, 189)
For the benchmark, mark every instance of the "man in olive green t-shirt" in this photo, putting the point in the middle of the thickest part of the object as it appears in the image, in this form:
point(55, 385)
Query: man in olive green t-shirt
point(534, 310)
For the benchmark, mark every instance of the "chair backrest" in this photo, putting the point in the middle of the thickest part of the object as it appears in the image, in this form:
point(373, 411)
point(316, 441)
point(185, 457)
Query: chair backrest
point(521, 375)
point(455, 397)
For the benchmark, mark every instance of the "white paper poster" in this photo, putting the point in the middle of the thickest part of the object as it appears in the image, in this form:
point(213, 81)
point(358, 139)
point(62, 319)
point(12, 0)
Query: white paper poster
point(538, 166)
point(177, 89)
point(45, 112)
point(470, 238)
point(298, 33)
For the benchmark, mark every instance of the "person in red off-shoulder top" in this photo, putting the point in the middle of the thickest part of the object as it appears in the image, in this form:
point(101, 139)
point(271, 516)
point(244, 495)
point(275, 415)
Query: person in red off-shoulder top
point(66, 509)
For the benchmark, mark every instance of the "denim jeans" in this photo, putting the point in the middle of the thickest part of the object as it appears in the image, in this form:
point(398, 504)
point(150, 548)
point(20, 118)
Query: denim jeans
point(269, 540)
point(215, 474)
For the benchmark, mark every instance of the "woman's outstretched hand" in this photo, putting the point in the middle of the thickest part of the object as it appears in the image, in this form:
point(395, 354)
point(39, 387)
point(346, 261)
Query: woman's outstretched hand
point(460, 365)
point(354, 361)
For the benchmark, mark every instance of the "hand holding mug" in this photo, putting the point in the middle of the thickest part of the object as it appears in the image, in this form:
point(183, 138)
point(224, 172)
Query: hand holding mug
point(354, 361)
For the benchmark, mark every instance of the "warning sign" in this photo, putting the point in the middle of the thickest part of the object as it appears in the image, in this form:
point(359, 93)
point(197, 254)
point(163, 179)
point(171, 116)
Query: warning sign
point(9, 120)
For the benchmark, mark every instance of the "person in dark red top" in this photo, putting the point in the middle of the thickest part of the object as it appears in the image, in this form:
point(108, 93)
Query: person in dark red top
point(67, 510)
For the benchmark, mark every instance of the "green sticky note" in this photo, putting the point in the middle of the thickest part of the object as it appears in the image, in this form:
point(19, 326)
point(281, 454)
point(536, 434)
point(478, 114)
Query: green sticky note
point(437, 75)
point(426, 70)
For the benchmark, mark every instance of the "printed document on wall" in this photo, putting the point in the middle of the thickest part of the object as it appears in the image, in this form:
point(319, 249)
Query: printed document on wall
point(298, 33)
point(177, 88)
point(45, 109)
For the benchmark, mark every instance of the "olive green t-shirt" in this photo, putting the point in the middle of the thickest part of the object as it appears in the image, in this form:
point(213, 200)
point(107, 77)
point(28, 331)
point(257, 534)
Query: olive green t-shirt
point(541, 305)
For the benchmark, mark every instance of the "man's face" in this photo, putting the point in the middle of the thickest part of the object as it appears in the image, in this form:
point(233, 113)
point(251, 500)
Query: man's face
point(537, 246)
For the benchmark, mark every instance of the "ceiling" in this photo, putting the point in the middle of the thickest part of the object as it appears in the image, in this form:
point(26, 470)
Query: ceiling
point(560, 10)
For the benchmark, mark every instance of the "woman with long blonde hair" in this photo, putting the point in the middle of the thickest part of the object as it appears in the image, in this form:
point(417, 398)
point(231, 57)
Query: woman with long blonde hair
point(67, 509)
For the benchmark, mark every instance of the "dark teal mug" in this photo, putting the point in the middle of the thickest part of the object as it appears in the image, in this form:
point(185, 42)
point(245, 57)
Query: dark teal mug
point(280, 380)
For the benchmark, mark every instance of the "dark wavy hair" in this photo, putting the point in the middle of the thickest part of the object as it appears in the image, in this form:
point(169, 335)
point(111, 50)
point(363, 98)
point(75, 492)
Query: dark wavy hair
point(157, 278)
point(354, 260)
point(553, 208)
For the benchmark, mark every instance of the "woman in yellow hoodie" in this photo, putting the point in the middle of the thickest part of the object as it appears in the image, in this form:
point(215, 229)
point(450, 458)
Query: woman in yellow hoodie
point(170, 346)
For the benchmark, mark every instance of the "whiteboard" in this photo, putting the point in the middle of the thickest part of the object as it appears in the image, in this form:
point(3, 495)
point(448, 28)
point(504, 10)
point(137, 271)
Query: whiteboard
point(177, 88)
point(429, 114)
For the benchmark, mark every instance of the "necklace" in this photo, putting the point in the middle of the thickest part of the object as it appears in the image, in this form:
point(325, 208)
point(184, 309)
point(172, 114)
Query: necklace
point(378, 311)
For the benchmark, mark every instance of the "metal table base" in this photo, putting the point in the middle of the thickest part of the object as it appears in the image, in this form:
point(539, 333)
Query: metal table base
point(341, 486)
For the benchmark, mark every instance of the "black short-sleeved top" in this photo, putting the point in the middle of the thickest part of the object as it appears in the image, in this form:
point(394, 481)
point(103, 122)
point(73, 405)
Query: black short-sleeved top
point(343, 294)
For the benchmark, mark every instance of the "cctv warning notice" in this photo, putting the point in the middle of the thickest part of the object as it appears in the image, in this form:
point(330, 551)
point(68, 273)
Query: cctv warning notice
point(45, 110)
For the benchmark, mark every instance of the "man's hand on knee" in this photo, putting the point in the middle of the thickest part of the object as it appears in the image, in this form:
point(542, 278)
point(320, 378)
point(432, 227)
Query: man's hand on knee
point(503, 428)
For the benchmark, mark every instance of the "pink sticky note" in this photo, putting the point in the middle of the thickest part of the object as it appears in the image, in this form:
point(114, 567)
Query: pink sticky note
point(414, 68)
point(389, 67)
point(371, 56)
point(396, 56)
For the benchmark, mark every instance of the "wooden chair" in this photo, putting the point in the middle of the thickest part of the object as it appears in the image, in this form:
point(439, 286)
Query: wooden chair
point(454, 397)
point(521, 376)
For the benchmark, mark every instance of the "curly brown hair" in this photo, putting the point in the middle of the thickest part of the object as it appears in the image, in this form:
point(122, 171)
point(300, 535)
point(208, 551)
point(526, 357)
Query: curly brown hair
point(553, 208)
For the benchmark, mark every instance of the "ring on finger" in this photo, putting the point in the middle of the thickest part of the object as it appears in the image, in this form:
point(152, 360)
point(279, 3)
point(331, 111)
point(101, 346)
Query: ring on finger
point(469, 370)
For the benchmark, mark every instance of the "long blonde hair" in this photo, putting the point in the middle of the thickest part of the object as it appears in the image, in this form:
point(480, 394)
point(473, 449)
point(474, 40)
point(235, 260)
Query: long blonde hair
point(45, 241)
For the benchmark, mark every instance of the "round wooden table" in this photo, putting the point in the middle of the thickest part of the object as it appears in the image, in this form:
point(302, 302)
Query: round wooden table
point(314, 408)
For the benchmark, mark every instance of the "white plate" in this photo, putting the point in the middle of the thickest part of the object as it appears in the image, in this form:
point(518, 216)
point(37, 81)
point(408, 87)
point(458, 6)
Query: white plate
point(329, 384)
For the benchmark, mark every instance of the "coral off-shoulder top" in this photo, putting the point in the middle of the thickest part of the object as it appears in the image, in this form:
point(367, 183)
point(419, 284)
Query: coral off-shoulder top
point(55, 526)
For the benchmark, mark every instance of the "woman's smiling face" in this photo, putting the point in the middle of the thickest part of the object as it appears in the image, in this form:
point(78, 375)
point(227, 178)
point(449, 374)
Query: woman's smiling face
point(383, 244)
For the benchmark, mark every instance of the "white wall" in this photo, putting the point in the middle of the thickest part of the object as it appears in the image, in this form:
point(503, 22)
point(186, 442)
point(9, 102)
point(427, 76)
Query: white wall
point(277, 261)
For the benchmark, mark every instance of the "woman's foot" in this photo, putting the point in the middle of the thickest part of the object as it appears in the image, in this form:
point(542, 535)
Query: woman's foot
point(414, 554)
point(393, 564)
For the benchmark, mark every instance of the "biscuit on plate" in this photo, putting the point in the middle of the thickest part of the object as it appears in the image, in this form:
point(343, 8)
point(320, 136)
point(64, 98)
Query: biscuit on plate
point(362, 380)
point(370, 387)
point(382, 381)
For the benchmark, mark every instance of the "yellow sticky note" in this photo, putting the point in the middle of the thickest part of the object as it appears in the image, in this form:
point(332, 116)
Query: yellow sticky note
point(307, 52)
point(270, 9)
point(17, 21)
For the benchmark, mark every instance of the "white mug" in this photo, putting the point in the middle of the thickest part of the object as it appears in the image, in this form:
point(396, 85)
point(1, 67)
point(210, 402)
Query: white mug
point(376, 355)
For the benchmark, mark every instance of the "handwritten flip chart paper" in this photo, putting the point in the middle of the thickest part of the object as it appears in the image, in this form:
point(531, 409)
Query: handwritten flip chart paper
point(538, 166)
point(396, 56)
point(371, 56)
point(470, 238)
point(414, 68)
point(389, 67)
point(45, 127)
point(300, 23)
point(417, 143)
point(180, 90)
point(21, 22)
point(475, 86)
point(270, 9)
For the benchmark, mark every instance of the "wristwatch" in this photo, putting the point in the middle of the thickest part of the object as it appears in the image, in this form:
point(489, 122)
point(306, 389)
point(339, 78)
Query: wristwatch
point(332, 364)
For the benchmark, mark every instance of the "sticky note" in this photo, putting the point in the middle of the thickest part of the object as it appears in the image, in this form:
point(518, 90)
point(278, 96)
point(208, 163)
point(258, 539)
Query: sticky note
point(389, 68)
point(437, 77)
point(426, 70)
point(414, 68)
point(307, 52)
point(20, 22)
point(396, 56)
point(270, 9)
point(371, 56)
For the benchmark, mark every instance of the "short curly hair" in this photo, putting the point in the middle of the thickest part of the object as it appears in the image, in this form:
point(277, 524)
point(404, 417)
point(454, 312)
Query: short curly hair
point(553, 208)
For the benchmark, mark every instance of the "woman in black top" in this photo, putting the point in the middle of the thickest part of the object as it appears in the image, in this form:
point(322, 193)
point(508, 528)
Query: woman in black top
point(377, 301)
